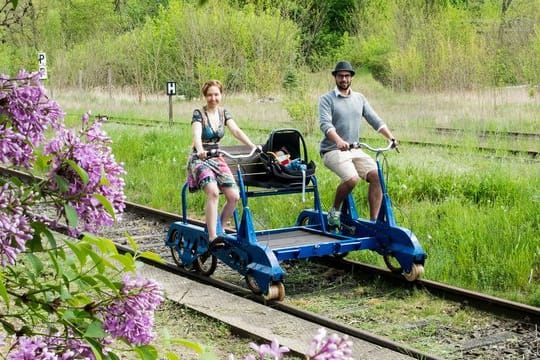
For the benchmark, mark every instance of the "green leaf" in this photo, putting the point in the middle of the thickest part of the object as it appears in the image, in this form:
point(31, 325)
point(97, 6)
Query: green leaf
point(34, 244)
point(57, 268)
point(68, 315)
point(189, 344)
point(78, 251)
point(126, 260)
point(106, 281)
point(96, 348)
point(88, 280)
point(50, 237)
point(80, 171)
point(146, 352)
point(65, 294)
point(106, 204)
point(63, 185)
point(16, 181)
point(152, 256)
point(3, 292)
point(132, 242)
point(99, 262)
point(71, 215)
point(80, 300)
point(42, 162)
point(104, 245)
point(171, 356)
point(104, 180)
point(36, 263)
point(95, 330)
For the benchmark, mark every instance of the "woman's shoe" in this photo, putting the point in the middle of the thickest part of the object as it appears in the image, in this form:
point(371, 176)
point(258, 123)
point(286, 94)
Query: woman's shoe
point(217, 243)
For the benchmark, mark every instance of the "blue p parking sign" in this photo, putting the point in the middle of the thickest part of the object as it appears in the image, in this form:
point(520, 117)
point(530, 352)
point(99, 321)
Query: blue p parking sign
point(171, 88)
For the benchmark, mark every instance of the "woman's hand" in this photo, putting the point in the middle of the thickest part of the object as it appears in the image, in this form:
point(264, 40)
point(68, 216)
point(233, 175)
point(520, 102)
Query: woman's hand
point(202, 155)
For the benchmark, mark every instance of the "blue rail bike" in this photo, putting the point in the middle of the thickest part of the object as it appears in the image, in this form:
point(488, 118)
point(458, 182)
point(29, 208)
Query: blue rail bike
point(283, 168)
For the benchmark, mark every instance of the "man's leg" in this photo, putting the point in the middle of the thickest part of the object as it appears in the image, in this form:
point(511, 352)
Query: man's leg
point(374, 194)
point(343, 190)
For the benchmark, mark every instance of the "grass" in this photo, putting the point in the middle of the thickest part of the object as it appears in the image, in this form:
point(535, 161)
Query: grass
point(476, 216)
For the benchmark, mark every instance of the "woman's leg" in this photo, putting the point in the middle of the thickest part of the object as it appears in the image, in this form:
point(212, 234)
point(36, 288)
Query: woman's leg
point(231, 196)
point(212, 200)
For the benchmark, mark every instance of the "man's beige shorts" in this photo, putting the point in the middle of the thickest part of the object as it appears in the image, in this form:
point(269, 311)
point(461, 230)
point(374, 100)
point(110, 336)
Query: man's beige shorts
point(348, 164)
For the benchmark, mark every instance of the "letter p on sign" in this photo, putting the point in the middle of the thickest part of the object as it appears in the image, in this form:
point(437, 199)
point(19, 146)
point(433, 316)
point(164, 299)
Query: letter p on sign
point(42, 62)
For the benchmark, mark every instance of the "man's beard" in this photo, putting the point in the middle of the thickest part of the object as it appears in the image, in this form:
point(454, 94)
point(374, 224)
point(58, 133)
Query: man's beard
point(343, 86)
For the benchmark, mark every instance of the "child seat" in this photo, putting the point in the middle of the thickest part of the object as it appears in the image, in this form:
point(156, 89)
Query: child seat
point(285, 159)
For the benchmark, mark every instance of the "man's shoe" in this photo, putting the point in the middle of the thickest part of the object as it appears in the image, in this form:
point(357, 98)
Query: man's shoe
point(334, 217)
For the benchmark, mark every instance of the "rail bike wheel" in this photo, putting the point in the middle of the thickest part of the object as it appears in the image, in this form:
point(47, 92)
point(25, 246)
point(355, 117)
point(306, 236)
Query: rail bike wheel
point(304, 221)
point(178, 249)
point(205, 265)
point(416, 272)
point(276, 291)
point(392, 264)
point(252, 284)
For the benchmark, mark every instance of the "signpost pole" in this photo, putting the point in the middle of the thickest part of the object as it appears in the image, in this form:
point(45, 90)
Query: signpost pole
point(171, 90)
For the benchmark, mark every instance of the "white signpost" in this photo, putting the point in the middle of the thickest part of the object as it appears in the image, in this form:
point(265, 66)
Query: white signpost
point(42, 62)
point(171, 91)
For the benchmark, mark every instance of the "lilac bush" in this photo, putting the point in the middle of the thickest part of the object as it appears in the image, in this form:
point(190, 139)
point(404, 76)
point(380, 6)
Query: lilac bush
point(25, 114)
point(15, 229)
point(131, 315)
point(63, 297)
point(89, 150)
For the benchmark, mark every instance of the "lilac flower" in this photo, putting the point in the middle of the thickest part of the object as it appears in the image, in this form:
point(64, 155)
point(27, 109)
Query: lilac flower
point(69, 348)
point(25, 115)
point(31, 348)
point(130, 316)
point(50, 347)
point(15, 229)
point(331, 347)
point(89, 150)
point(274, 350)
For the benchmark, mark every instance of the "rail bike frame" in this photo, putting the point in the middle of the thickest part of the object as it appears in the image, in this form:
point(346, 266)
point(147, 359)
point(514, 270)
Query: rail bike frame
point(257, 254)
point(383, 235)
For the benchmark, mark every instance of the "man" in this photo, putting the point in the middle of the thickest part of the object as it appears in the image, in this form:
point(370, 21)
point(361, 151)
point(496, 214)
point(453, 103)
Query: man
point(340, 115)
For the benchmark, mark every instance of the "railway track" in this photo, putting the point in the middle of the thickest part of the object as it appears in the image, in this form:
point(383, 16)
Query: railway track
point(347, 297)
point(424, 319)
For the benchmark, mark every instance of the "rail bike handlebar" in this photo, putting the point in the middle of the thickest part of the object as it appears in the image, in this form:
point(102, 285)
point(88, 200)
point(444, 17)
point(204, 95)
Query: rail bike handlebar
point(218, 152)
point(360, 145)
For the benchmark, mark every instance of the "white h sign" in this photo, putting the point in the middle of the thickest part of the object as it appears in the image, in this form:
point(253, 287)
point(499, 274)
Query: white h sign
point(171, 88)
point(42, 62)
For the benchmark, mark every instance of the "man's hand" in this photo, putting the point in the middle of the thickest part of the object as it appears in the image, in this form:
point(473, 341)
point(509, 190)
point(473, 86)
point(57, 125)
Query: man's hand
point(394, 144)
point(342, 145)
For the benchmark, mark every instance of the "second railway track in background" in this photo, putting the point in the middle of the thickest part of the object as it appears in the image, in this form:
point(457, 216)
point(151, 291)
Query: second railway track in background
point(531, 154)
point(497, 329)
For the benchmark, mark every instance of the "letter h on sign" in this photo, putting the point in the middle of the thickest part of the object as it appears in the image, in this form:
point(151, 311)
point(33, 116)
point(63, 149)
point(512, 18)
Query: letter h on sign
point(171, 88)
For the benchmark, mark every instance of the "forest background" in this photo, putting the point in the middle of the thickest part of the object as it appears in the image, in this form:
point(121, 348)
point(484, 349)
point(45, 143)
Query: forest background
point(267, 46)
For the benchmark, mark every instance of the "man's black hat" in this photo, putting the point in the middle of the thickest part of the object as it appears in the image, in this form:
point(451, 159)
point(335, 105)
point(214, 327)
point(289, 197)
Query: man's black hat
point(343, 66)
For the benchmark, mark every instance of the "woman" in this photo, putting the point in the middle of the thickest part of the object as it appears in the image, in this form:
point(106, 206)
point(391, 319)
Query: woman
point(212, 174)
